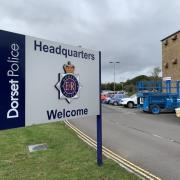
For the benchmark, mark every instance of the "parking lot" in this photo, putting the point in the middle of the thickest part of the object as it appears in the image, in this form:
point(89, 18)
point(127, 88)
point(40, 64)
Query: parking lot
point(150, 141)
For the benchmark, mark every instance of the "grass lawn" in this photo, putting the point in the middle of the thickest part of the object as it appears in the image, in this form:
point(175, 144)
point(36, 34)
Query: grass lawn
point(67, 156)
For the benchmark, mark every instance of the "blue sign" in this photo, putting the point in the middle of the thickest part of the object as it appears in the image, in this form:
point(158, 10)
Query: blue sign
point(44, 81)
point(12, 78)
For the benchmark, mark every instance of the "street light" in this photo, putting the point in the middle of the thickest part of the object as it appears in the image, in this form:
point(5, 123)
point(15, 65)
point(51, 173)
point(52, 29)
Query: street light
point(121, 85)
point(114, 62)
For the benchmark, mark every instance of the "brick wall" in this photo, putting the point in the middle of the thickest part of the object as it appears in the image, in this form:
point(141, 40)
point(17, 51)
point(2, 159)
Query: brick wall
point(171, 56)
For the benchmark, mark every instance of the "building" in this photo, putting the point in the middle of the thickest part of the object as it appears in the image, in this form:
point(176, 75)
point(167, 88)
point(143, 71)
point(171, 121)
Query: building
point(171, 56)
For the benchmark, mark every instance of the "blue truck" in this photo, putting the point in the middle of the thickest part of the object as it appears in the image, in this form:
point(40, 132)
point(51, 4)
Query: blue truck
point(158, 96)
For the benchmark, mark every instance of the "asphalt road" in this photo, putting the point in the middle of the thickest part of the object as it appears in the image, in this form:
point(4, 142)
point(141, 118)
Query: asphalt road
point(149, 141)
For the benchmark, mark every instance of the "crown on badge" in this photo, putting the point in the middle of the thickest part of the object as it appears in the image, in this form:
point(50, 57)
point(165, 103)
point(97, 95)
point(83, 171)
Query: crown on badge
point(69, 68)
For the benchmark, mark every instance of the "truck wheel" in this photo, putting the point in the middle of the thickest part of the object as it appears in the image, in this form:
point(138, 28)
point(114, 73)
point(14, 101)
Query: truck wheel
point(130, 104)
point(155, 109)
point(115, 103)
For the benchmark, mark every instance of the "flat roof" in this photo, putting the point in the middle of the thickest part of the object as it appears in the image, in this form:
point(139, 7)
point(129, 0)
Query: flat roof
point(170, 35)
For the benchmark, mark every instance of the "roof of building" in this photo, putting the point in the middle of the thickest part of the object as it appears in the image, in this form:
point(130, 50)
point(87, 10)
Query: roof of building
point(170, 35)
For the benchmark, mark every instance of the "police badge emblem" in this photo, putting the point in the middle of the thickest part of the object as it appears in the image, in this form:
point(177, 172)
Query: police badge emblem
point(68, 83)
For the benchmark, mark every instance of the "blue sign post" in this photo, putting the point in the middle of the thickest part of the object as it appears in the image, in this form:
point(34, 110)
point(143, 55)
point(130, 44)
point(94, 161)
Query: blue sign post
point(99, 121)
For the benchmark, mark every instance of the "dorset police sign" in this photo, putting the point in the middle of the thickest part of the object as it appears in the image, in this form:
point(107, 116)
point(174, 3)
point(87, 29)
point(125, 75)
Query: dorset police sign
point(44, 81)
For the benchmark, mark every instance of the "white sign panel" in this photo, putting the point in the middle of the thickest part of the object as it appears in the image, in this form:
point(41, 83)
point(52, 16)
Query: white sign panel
point(167, 78)
point(62, 82)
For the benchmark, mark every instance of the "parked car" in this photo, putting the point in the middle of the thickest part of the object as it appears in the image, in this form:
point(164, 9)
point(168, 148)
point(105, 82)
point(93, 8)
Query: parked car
point(115, 100)
point(129, 102)
point(103, 97)
point(108, 98)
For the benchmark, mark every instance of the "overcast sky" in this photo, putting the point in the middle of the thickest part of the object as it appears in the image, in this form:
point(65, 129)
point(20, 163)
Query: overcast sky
point(128, 31)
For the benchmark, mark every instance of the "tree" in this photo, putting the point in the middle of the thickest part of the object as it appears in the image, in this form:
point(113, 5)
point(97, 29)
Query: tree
point(130, 84)
point(155, 73)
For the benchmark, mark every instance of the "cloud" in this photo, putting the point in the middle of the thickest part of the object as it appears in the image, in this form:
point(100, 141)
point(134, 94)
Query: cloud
point(128, 31)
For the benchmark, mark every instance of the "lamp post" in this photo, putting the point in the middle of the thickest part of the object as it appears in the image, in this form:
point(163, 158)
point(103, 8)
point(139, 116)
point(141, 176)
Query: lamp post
point(114, 63)
point(121, 85)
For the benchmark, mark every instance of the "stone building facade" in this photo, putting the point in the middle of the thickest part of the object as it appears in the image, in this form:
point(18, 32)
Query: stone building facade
point(171, 56)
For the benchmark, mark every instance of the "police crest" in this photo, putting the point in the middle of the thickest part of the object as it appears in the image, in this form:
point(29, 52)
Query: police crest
point(68, 83)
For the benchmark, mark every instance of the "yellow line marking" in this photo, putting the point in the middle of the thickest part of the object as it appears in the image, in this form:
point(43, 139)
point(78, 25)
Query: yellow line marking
point(108, 153)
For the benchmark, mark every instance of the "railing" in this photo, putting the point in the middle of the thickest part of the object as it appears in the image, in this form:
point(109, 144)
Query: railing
point(159, 86)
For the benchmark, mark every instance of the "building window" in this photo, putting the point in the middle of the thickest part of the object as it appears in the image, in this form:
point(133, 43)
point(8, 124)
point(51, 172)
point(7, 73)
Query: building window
point(165, 42)
point(174, 37)
point(166, 65)
point(174, 61)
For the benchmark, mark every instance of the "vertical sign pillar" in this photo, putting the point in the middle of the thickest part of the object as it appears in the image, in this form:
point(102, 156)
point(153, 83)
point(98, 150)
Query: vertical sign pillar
point(99, 121)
